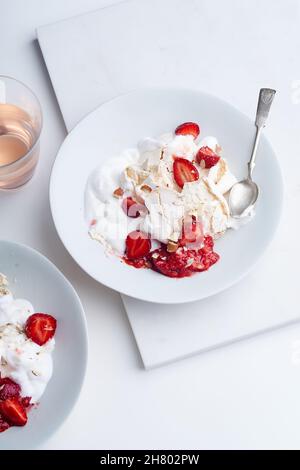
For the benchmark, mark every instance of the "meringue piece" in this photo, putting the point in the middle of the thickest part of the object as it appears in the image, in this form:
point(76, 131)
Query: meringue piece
point(164, 219)
point(218, 221)
point(213, 189)
point(203, 199)
point(163, 177)
point(150, 153)
point(221, 176)
point(226, 182)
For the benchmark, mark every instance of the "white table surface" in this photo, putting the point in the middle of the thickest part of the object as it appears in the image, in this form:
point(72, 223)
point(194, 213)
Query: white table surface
point(242, 396)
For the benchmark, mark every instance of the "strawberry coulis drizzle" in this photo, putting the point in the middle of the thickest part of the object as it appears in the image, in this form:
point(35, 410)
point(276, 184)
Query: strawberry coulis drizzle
point(183, 263)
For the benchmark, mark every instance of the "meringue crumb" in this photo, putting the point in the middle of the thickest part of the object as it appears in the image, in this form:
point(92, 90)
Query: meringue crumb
point(118, 193)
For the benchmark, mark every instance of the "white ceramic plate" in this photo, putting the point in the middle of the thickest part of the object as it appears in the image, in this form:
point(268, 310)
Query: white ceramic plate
point(119, 124)
point(34, 277)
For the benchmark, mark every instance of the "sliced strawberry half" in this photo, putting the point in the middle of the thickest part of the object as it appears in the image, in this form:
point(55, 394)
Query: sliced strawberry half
point(207, 156)
point(13, 411)
point(132, 208)
point(40, 327)
point(138, 244)
point(9, 388)
point(184, 171)
point(192, 232)
point(188, 128)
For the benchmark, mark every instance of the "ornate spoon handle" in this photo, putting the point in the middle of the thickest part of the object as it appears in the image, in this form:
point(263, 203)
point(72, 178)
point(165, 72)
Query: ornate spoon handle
point(266, 96)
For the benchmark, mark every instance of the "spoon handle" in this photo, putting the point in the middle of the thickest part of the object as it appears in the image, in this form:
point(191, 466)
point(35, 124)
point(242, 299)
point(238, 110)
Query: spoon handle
point(266, 96)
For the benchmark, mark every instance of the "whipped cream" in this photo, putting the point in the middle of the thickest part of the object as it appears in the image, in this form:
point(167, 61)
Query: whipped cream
point(24, 361)
point(146, 175)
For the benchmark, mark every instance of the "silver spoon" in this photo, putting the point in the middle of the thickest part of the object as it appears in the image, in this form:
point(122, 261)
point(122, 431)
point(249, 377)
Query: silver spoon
point(244, 194)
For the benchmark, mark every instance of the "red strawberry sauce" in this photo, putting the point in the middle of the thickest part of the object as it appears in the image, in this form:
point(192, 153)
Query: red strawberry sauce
point(182, 263)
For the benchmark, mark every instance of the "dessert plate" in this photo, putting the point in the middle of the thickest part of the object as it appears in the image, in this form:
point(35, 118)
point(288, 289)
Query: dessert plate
point(120, 124)
point(32, 276)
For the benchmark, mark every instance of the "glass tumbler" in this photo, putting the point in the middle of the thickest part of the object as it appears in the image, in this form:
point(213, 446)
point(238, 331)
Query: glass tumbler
point(20, 130)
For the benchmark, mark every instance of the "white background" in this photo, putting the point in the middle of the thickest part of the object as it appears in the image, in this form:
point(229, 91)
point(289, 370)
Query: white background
point(242, 396)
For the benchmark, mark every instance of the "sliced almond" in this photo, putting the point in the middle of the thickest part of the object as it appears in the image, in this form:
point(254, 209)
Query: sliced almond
point(4, 291)
point(118, 192)
point(138, 176)
point(146, 188)
point(172, 246)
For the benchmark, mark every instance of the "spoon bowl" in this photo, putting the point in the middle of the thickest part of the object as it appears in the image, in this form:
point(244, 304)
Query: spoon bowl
point(242, 198)
point(243, 195)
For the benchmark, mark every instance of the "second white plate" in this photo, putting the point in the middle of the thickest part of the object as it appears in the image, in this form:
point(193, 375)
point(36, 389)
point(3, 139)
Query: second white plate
point(118, 125)
point(34, 277)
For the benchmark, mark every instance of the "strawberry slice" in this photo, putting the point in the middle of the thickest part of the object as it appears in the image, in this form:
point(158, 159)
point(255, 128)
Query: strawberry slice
point(40, 327)
point(207, 156)
point(132, 208)
point(138, 244)
point(184, 171)
point(188, 128)
point(192, 232)
point(13, 412)
point(9, 388)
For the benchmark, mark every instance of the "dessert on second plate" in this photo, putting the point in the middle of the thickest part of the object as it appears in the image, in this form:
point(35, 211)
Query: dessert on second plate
point(26, 344)
point(163, 204)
